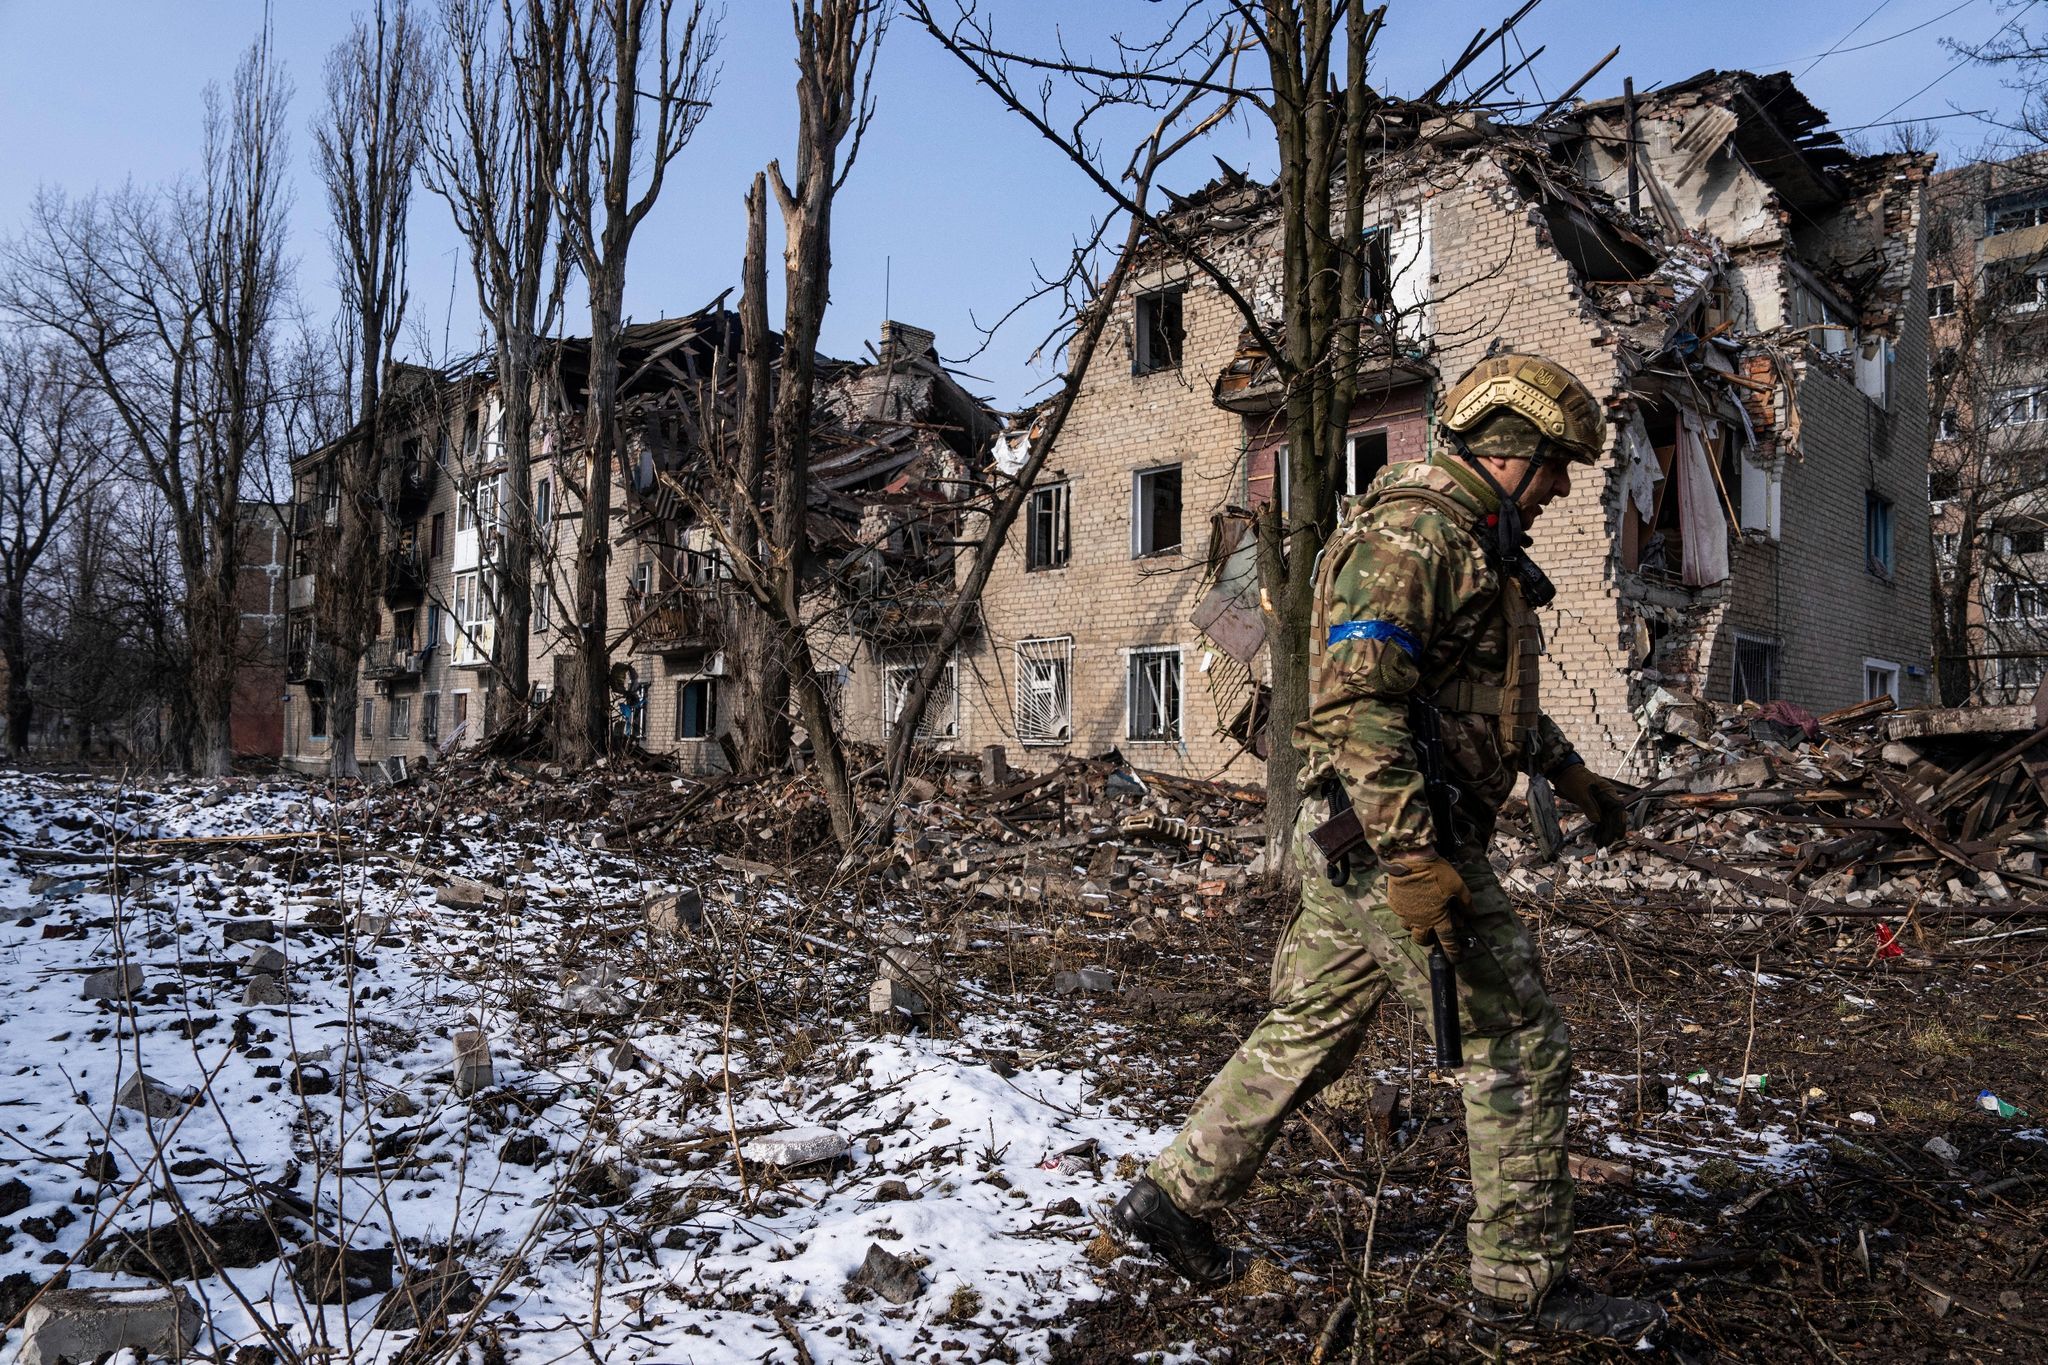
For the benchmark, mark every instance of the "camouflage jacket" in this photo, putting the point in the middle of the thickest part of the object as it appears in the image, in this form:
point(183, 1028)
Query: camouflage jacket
point(1405, 604)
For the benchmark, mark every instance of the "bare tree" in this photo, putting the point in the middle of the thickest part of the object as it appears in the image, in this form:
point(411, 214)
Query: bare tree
point(492, 160)
point(595, 67)
point(170, 300)
point(53, 450)
point(368, 143)
point(1319, 102)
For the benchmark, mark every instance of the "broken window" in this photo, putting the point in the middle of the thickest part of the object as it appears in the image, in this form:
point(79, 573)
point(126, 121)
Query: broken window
point(1365, 455)
point(1155, 511)
point(636, 712)
point(643, 578)
point(1377, 284)
point(461, 716)
point(696, 708)
point(941, 719)
point(2018, 602)
point(1152, 703)
point(1880, 679)
point(438, 539)
point(2022, 291)
point(2016, 407)
point(1158, 343)
point(1943, 484)
point(316, 708)
point(540, 607)
point(2019, 675)
point(543, 504)
point(401, 718)
point(1948, 426)
point(1945, 546)
point(1046, 528)
point(472, 619)
point(369, 727)
point(1044, 692)
point(2011, 212)
point(430, 718)
point(1941, 300)
point(1678, 514)
point(1877, 533)
point(2023, 542)
point(1756, 669)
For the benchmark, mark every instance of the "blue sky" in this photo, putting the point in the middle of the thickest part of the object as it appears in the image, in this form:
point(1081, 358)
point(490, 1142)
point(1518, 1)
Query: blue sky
point(953, 200)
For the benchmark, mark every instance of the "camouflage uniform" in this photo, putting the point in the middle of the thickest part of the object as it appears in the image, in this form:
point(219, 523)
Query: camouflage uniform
point(1407, 602)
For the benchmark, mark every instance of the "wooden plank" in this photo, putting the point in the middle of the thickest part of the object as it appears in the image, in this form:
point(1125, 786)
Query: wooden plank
point(1959, 720)
point(1923, 824)
point(1861, 711)
point(1966, 782)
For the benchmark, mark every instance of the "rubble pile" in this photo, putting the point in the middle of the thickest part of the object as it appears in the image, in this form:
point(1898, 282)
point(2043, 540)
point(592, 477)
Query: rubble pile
point(1867, 812)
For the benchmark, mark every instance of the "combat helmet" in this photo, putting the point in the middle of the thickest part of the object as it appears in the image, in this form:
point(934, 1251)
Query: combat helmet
point(1564, 415)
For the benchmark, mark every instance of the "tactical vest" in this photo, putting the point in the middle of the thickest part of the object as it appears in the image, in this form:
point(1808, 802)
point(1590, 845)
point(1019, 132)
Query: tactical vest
point(1513, 703)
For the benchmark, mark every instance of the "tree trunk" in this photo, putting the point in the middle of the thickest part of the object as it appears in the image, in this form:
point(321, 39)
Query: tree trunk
point(764, 666)
point(583, 722)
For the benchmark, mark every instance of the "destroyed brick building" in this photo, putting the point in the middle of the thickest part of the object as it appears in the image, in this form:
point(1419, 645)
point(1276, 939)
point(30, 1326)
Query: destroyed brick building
point(1745, 296)
point(896, 442)
point(1988, 382)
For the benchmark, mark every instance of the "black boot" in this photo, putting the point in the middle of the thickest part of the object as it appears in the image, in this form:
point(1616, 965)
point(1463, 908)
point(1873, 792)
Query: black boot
point(1570, 1306)
point(1145, 1214)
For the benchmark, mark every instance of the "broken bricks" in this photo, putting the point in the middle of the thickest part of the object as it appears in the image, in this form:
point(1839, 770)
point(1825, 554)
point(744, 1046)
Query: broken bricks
point(473, 1069)
point(94, 1324)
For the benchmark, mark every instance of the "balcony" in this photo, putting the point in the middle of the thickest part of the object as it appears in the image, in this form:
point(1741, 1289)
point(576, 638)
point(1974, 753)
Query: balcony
point(308, 661)
point(390, 660)
point(315, 513)
point(301, 591)
point(405, 574)
point(415, 487)
point(682, 620)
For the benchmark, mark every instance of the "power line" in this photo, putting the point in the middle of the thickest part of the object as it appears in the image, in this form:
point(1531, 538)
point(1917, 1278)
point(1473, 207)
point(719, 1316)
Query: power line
point(1838, 50)
point(1881, 6)
point(1959, 62)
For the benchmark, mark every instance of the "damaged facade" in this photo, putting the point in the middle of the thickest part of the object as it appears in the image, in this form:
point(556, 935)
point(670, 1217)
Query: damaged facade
point(896, 444)
point(1756, 328)
point(1988, 381)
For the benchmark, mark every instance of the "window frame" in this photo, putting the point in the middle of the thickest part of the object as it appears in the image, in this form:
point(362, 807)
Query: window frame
point(1880, 545)
point(1143, 529)
point(1051, 503)
point(1773, 660)
point(1146, 320)
point(1939, 294)
point(430, 719)
point(398, 718)
point(1871, 666)
point(896, 673)
point(1138, 658)
point(1053, 724)
point(708, 709)
point(316, 713)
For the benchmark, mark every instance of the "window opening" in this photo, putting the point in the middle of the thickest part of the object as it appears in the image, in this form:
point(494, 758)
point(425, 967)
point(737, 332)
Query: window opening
point(1044, 690)
point(1365, 455)
point(941, 718)
point(1756, 669)
point(1046, 530)
point(1153, 700)
point(1880, 679)
point(1877, 533)
point(1160, 333)
point(696, 708)
point(1155, 511)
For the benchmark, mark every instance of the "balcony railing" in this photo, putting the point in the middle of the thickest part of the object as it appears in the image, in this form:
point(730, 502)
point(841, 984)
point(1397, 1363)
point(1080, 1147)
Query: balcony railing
point(405, 573)
point(415, 486)
point(311, 514)
point(308, 661)
point(682, 619)
point(391, 658)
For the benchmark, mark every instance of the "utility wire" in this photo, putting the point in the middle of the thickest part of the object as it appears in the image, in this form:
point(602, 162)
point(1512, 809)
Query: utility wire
point(1881, 6)
point(1959, 62)
point(1839, 51)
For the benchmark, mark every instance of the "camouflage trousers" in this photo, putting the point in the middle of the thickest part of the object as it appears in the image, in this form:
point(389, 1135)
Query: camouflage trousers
point(1335, 961)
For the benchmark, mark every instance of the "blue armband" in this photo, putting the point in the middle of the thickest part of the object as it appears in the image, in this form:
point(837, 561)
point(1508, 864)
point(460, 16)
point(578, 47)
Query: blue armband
point(1376, 630)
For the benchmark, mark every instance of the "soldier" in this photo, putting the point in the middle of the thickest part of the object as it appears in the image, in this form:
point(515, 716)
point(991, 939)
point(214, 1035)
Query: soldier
point(1424, 643)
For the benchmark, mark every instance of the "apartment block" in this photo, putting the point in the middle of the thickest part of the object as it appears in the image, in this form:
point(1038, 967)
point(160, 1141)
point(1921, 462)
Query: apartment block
point(1754, 323)
point(1988, 386)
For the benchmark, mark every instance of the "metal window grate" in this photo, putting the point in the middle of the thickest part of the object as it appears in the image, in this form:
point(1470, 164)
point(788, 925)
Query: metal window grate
point(1756, 670)
point(941, 719)
point(1045, 690)
point(1154, 694)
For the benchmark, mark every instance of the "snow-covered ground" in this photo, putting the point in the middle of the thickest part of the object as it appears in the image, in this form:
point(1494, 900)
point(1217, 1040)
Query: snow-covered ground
point(591, 1192)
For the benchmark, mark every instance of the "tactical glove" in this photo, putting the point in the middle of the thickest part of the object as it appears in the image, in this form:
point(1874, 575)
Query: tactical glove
point(1600, 799)
point(1422, 892)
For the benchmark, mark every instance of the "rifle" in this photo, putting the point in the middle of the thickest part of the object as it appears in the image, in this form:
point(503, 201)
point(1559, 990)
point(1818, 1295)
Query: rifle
point(1425, 727)
point(1342, 836)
